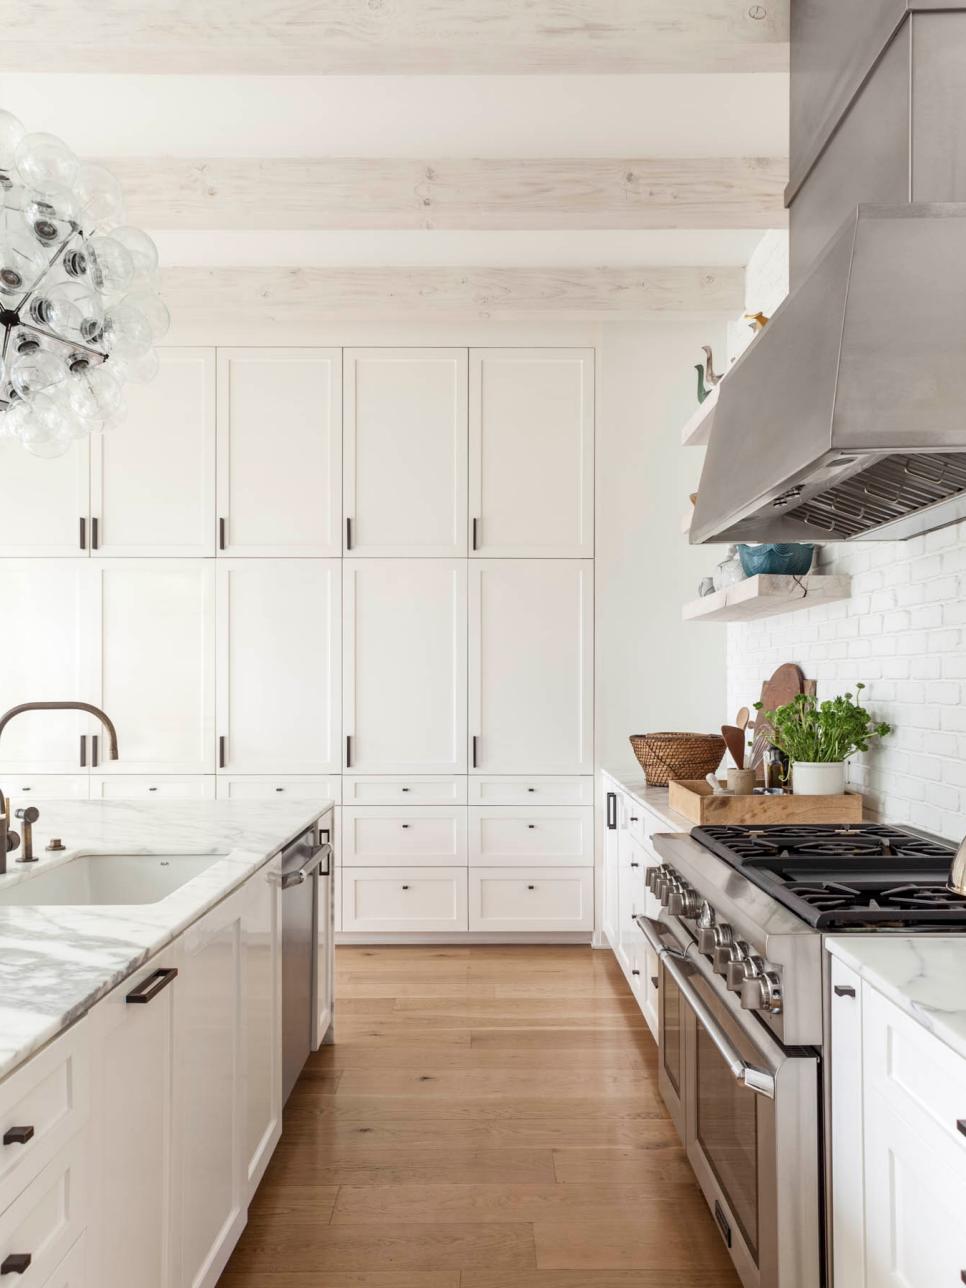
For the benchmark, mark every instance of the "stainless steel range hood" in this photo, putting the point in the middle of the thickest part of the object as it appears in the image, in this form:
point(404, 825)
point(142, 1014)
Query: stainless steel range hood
point(846, 419)
point(847, 416)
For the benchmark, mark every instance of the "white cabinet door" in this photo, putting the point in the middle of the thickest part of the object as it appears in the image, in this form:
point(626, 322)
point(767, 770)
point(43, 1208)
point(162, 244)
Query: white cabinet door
point(633, 864)
point(414, 835)
point(537, 899)
point(329, 830)
point(153, 478)
point(43, 657)
point(417, 900)
point(154, 664)
point(279, 665)
point(261, 787)
point(532, 452)
point(848, 1183)
point(405, 443)
point(553, 836)
point(44, 505)
point(208, 1093)
point(133, 1127)
point(280, 451)
point(404, 678)
point(152, 787)
point(261, 1019)
point(610, 921)
point(531, 666)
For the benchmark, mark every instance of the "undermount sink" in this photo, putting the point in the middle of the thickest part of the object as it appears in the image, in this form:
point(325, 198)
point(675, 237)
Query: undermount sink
point(107, 879)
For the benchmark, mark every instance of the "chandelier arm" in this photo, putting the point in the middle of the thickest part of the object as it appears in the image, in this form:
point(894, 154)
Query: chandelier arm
point(59, 339)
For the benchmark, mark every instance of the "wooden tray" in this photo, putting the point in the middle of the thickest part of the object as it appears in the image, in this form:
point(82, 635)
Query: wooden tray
point(694, 798)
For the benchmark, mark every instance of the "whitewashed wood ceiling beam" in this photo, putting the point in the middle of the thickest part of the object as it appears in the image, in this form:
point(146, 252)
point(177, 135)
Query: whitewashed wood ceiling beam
point(307, 295)
point(363, 37)
point(340, 193)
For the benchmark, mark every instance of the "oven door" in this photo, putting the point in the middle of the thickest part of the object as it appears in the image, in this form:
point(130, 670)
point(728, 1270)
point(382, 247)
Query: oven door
point(751, 1124)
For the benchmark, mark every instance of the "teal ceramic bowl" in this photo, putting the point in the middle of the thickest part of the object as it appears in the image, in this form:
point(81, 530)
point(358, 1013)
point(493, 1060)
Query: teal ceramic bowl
point(792, 558)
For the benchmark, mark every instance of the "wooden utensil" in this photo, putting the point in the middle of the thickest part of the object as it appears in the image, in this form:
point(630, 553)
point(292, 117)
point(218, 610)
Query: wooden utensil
point(787, 682)
point(735, 742)
point(742, 718)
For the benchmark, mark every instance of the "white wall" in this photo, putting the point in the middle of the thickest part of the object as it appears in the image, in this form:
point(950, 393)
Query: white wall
point(653, 670)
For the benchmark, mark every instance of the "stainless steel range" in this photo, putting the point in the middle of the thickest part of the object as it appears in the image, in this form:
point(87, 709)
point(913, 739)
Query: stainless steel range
point(743, 1010)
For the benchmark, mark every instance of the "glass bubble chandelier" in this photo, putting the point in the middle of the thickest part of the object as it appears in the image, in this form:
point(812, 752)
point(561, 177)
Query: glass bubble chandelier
point(79, 308)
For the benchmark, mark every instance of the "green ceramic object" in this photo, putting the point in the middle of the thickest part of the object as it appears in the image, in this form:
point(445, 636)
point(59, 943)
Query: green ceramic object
point(703, 391)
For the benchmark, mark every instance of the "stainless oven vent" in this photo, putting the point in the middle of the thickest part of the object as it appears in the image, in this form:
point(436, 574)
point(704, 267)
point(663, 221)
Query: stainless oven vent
point(888, 491)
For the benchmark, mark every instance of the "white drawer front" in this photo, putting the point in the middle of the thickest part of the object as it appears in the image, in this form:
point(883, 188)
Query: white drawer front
point(558, 836)
point(46, 1100)
point(29, 788)
point(47, 1219)
point(399, 790)
point(545, 899)
point(916, 1073)
point(543, 789)
point(378, 836)
point(413, 899)
point(72, 1271)
point(126, 787)
point(259, 787)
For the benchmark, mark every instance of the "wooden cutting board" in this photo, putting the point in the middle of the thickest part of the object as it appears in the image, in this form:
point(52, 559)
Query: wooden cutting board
point(787, 682)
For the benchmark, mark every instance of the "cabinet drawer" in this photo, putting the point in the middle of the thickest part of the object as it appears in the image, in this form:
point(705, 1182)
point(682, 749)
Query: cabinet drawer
point(27, 788)
point(72, 1271)
point(48, 1098)
point(413, 899)
point(400, 790)
point(916, 1073)
point(126, 787)
point(258, 787)
point(47, 1219)
point(543, 789)
point(546, 899)
point(379, 836)
point(501, 836)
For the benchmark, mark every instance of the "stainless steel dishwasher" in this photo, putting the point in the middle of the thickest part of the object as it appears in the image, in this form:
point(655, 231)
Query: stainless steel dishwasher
point(305, 863)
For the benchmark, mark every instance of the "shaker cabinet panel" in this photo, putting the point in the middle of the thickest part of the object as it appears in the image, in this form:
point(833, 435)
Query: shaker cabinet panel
point(531, 666)
point(44, 504)
point(280, 451)
point(278, 666)
point(405, 443)
point(261, 1019)
point(153, 670)
point(153, 477)
point(532, 452)
point(404, 675)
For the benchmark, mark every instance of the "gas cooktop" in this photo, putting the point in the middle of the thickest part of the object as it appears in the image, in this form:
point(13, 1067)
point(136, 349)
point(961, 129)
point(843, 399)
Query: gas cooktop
point(846, 876)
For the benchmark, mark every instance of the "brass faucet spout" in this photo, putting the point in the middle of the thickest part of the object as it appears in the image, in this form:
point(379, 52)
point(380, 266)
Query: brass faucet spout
point(66, 706)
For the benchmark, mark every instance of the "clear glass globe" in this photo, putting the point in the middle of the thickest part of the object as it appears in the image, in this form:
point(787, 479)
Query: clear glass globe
point(99, 198)
point(140, 370)
point(11, 133)
point(22, 262)
point(127, 331)
point(45, 425)
point(153, 309)
point(13, 418)
point(110, 268)
point(70, 309)
point(140, 247)
point(30, 373)
point(94, 393)
point(43, 159)
point(48, 212)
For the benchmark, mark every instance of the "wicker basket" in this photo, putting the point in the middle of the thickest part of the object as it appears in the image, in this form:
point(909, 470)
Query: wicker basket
point(664, 756)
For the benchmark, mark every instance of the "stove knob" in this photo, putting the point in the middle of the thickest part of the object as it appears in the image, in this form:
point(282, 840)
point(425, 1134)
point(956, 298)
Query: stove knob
point(664, 885)
point(723, 956)
point(683, 902)
point(650, 876)
point(744, 966)
point(710, 939)
point(706, 915)
point(762, 993)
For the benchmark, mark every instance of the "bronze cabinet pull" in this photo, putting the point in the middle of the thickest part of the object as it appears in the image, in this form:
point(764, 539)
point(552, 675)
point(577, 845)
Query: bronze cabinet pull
point(149, 988)
point(16, 1264)
point(222, 533)
point(348, 533)
point(83, 532)
point(93, 751)
point(222, 741)
point(18, 1135)
point(83, 751)
point(94, 536)
point(844, 990)
point(348, 751)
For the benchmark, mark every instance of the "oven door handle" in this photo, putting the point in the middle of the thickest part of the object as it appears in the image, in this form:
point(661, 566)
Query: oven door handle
point(760, 1081)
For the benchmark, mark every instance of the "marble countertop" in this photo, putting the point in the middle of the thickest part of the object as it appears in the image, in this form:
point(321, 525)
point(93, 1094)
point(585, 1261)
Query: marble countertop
point(652, 798)
point(55, 962)
point(923, 974)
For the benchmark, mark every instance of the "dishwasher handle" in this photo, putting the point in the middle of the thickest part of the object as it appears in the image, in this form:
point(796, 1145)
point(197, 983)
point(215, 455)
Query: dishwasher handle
point(298, 876)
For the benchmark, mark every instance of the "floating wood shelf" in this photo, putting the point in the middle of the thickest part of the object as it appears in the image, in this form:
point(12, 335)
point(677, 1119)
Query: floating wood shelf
point(695, 432)
point(767, 596)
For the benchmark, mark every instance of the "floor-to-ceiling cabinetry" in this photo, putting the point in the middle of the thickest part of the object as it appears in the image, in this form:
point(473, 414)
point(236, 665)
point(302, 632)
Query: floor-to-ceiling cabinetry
point(362, 573)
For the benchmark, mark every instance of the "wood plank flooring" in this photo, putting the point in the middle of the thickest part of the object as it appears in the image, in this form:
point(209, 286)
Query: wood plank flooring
point(488, 1118)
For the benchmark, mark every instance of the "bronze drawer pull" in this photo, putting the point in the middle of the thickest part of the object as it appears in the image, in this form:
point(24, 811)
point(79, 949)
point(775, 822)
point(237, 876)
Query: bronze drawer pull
point(16, 1263)
point(149, 988)
point(18, 1135)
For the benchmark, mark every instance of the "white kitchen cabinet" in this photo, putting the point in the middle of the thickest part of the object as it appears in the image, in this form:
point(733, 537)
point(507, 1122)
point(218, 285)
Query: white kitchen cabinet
point(252, 787)
point(846, 1137)
point(278, 666)
point(502, 836)
point(417, 900)
point(633, 864)
point(531, 666)
point(280, 451)
point(27, 789)
point(45, 504)
point(531, 789)
point(152, 665)
point(261, 1067)
point(43, 658)
point(405, 789)
point(532, 452)
point(404, 666)
point(330, 831)
point(405, 444)
point(417, 835)
point(151, 787)
point(133, 1053)
point(49, 1216)
point(153, 477)
point(72, 1271)
point(611, 877)
point(531, 899)
point(208, 1093)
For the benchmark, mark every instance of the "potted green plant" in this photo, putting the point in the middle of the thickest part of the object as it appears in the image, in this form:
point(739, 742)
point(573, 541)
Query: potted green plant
point(818, 738)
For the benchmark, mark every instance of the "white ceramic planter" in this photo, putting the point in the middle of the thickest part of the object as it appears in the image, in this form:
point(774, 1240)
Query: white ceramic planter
point(818, 778)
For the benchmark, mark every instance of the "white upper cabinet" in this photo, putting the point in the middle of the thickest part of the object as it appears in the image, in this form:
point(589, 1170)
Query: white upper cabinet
point(280, 451)
point(153, 478)
point(42, 660)
point(405, 443)
point(531, 666)
point(44, 503)
point(278, 666)
point(532, 452)
point(404, 673)
point(153, 664)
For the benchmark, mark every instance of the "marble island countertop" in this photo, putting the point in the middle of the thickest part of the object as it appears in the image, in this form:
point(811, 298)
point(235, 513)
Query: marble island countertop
point(56, 961)
point(925, 975)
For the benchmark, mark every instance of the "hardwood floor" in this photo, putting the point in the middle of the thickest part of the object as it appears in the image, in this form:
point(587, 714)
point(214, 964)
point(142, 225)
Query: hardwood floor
point(488, 1118)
